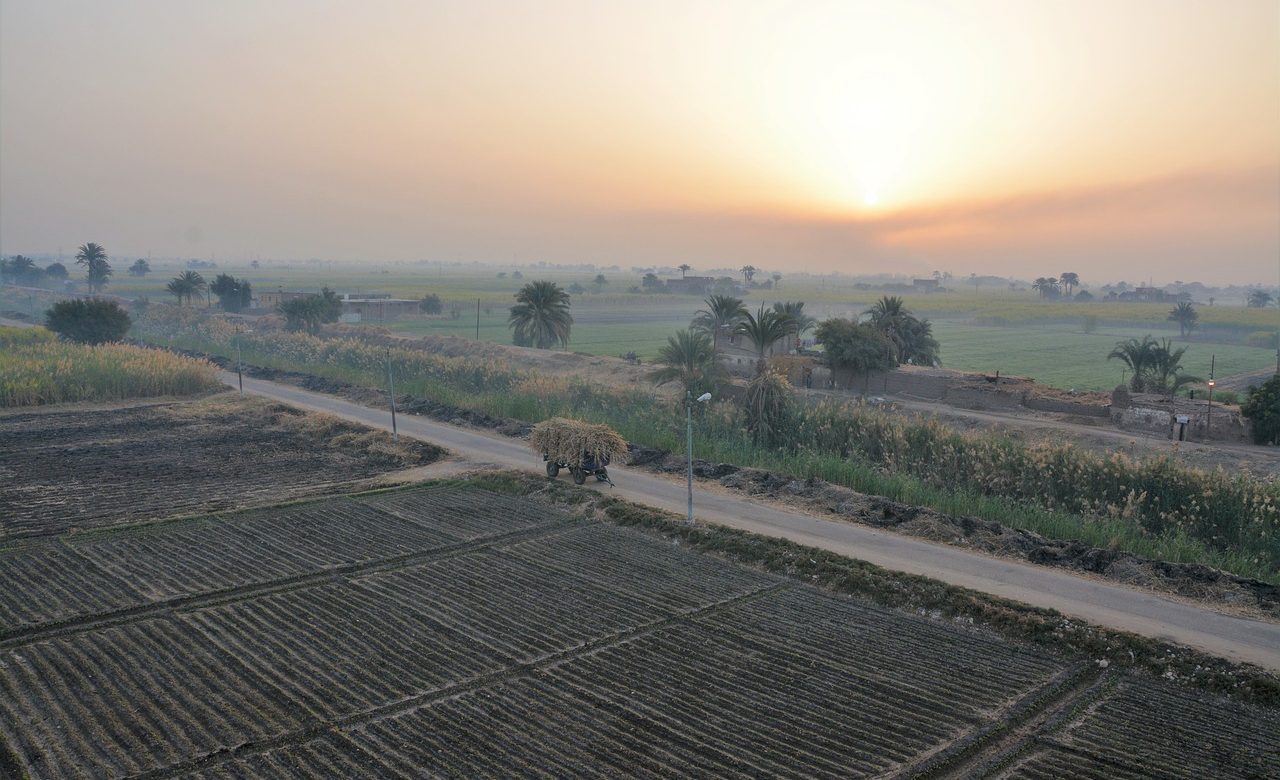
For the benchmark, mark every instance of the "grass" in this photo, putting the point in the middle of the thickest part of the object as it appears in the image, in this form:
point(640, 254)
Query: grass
point(1152, 508)
point(37, 369)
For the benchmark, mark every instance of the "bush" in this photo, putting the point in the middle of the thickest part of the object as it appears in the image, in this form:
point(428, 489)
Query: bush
point(92, 321)
point(431, 304)
point(1263, 411)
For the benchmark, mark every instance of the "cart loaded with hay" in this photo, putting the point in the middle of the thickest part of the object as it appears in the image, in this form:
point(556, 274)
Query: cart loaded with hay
point(583, 448)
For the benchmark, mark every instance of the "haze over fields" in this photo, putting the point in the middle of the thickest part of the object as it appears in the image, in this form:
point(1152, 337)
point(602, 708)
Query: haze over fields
point(1135, 139)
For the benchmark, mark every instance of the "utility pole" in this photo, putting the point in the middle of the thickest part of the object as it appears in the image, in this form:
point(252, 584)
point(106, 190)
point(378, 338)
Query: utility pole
point(391, 393)
point(239, 369)
point(1208, 415)
point(477, 319)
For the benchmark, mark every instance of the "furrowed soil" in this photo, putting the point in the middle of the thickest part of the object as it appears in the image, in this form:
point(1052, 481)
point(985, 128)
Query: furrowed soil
point(79, 467)
point(450, 630)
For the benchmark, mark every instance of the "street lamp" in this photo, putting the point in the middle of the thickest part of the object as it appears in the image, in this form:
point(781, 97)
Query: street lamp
point(688, 419)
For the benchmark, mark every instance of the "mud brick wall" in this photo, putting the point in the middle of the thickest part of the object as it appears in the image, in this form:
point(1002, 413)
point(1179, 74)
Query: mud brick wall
point(1066, 407)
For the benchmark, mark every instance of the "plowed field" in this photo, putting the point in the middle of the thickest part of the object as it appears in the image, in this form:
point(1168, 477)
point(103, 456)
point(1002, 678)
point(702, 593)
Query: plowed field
point(461, 633)
point(77, 468)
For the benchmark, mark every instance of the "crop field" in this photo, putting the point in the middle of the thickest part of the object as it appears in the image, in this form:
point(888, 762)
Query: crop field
point(450, 631)
point(79, 468)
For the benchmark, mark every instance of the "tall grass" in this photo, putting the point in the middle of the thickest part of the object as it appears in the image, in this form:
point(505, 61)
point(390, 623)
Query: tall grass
point(36, 369)
point(1153, 507)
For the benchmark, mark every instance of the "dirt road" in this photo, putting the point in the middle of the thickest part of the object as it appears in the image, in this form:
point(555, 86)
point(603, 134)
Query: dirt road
point(1101, 603)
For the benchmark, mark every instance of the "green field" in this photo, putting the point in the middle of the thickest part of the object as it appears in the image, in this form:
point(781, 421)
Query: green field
point(988, 330)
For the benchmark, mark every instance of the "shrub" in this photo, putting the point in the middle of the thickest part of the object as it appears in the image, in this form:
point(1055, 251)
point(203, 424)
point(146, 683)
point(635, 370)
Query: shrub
point(1265, 339)
point(1263, 411)
point(91, 321)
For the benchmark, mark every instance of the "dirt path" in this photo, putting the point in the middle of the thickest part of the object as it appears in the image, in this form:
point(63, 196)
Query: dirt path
point(1101, 603)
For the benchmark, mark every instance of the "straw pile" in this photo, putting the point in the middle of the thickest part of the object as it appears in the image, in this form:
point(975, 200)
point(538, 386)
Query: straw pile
point(565, 440)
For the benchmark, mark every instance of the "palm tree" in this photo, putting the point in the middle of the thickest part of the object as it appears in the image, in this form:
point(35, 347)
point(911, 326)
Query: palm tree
point(600, 281)
point(748, 271)
point(97, 270)
point(1070, 280)
point(1186, 316)
point(723, 313)
point(1047, 286)
point(689, 358)
point(798, 321)
point(1164, 374)
point(1259, 299)
point(195, 283)
point(541, 316)
point(684, 269)
point(768, 403)
point(1139, 356)
point(764, 329)
point(180, 288)
point(777, 279)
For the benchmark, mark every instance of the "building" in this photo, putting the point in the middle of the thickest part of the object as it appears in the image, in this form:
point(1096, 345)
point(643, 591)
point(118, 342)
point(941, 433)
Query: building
point(925, 285)
point(270, 300)
point(739, 355)
point(379, 309)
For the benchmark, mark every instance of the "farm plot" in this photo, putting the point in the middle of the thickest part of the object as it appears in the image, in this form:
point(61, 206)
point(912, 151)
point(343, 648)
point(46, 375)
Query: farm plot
point(466, 634)
point(77, 469)
point(1156, 730)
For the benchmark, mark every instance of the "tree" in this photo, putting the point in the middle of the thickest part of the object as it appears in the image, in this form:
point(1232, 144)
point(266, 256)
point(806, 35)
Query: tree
point(684, 268)
point(541, 316)
point(768, 403)
point(576, 289)
point(1070, 280)
point(302, 313)
point(330, 305)
point(56, 271)
point(777, 278)
point(600, 281)
point(234, 295)
point(1139, 357)
point(1259, 299)
point(140, 267)
point(912, 338)
point(97, 270)
point(748, 272)
point(194, 283)
point(23, 271)
point(764, 329)
point(1084, 296)
point(431, 304)
point(723, 312)
point(255, 265)
point(1262, 409)
point(1164, 372)
point(1047, 286)
point(88, 321)
point(798, 321)
point(1186, 316)
point(855, 347)
point(689, 358)
point(651, 282)
point(180, 288)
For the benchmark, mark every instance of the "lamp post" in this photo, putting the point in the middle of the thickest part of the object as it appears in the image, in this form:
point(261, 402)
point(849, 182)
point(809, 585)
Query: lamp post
point(1208, 415)
point(688, 419)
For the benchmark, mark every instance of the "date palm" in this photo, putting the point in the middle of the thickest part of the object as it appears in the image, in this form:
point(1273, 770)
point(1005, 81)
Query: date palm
point(723, 312)
point(689, 358)
point(794, 312)
point(1139, 356)
point(1259, 299)
point(684, 268)
point(97, 270)
point(180, 288)
point(541, 316)
point(1186, 316)
point(764, 329)
point(1070, 280)
point(195, 283)
point(749, 272)
point(1164, 374)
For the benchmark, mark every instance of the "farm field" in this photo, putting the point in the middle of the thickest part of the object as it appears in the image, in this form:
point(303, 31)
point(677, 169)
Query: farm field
point(64, 468)
point(451, 631)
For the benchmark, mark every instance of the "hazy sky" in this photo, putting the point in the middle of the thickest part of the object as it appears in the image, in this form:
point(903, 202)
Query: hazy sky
point(1116, 138)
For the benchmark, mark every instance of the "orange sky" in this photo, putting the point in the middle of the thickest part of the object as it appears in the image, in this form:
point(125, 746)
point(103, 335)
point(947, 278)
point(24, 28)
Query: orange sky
point(1122, 139)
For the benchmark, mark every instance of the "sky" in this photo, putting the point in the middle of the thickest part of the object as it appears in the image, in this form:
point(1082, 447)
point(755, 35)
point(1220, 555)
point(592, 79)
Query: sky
point(1114, 138)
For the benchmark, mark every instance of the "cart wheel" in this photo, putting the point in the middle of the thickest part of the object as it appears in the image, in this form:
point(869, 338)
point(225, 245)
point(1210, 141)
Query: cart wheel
point(602, 476)
point(553, 469)
point(579, 476)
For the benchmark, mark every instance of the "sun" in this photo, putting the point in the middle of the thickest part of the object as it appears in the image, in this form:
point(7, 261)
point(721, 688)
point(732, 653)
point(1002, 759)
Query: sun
point(871, 198)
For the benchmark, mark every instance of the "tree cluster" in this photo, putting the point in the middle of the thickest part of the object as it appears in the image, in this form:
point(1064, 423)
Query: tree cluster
point(1154, 366)
point(88, 320)
point(234, 295)
point(310, 312)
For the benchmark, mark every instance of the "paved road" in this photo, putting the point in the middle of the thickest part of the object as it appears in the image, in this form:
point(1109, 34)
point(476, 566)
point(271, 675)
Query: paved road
point(1098, 602)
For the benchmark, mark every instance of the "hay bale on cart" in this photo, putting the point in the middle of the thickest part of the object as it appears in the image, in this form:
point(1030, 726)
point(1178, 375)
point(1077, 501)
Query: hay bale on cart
point(583, 448)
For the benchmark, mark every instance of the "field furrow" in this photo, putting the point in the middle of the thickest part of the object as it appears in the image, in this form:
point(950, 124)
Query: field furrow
point(1135, 731)
point(45, 582)
point(468, 514)
point(512, 605)
point(623, 559)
